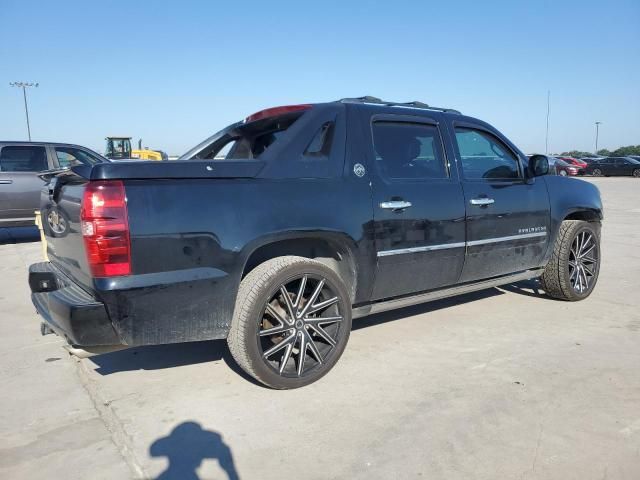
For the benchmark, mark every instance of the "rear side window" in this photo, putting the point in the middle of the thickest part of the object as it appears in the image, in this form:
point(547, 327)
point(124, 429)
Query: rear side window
point(483, 156)
point(23, 159)
point(70, 157)
point(250, 140)
point(320, 145)
point(408, 150)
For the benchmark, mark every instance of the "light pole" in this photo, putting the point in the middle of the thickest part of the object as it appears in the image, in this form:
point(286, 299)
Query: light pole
point(546, 138)
point(597, 131)
point(24, 86)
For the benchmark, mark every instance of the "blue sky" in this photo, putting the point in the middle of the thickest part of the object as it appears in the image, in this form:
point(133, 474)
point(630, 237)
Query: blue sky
point(175, 72)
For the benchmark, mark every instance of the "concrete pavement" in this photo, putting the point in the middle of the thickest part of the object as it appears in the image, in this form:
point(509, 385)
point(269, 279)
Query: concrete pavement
point(503, 383)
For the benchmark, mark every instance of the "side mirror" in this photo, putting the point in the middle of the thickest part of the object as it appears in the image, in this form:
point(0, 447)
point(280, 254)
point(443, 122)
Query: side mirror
point(538, 165)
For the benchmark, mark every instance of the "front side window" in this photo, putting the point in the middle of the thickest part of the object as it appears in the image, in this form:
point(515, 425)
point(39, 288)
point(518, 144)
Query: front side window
point(483, 156)
point(408, 150)
point(70, 157)
point(23, 159)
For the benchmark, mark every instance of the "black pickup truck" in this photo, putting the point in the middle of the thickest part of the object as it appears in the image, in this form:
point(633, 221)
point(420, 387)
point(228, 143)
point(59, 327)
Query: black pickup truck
point(278, 230)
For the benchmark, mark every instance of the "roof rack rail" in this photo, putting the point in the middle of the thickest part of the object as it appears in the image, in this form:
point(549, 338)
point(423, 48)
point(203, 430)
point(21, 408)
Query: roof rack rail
point(414, 104)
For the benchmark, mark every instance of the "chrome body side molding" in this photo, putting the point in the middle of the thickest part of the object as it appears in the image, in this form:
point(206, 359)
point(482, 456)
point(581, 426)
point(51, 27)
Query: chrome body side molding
point(394, 303)
point(472, 243)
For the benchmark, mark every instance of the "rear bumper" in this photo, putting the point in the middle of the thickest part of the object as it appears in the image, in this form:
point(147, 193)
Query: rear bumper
point(70, 311)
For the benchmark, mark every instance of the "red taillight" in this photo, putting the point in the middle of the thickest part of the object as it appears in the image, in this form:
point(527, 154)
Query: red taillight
point(275, 111)
point(105, 228)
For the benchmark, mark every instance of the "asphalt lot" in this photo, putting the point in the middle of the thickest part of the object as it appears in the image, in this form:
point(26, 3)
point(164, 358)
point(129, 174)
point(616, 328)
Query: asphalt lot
point(498, 384)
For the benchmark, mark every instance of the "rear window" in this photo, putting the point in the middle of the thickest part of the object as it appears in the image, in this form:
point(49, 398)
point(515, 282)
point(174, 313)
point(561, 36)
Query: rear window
point(249, 140)
point(23, 159)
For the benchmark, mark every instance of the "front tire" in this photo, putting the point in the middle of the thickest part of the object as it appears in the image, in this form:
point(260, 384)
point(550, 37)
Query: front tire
point(636, 173)
point(563, 173)
point(596, 172)
point(291, 322)
point(572, 272)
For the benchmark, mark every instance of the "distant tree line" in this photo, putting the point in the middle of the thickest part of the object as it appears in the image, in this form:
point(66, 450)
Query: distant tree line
point(620, 152)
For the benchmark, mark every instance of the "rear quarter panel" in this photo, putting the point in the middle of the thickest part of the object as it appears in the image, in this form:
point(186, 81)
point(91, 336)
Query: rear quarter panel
point(191, 238)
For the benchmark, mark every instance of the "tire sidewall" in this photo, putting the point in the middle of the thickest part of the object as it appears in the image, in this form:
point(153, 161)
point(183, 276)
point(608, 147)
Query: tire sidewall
point(255, 311)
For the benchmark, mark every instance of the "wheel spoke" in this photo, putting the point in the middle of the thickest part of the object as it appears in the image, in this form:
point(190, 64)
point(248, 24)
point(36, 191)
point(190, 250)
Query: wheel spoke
point(572, 276)
point(313, 347)
point(585, 252)
point(323, 333)
point(590, 269)
point(312, 300)
point(287, 300)
point(322, 320)
point(322, 305)
point(286, 357)
point(585, 280)
point(279, 346)
point(303, 285)
point(271, 310)
point(302, 354)
point(274, 330)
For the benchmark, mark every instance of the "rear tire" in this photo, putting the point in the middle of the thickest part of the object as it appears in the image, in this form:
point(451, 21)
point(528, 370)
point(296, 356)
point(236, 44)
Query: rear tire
point(289, 342)
point(572, 272)
point(596, 172)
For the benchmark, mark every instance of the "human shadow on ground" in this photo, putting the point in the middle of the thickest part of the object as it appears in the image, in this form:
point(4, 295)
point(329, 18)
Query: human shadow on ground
point(186, 447)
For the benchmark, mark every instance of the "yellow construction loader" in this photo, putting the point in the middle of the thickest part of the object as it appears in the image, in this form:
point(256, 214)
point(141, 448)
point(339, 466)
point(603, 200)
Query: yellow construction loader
point(119, 148)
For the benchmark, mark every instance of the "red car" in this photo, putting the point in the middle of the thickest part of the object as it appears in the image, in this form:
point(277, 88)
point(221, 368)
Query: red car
point(574, 161)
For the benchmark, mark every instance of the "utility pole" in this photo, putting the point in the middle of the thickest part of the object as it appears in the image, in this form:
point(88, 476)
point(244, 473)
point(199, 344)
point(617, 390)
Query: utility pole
point(24, 86)
point(597, 130)
point(546, 140)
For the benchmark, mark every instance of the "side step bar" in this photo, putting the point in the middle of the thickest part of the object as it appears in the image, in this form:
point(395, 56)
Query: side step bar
point(394, 303)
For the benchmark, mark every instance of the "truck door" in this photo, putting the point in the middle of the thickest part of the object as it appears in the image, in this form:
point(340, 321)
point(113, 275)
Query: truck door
point(19, 184)
point(508, 216)
point(418, 206)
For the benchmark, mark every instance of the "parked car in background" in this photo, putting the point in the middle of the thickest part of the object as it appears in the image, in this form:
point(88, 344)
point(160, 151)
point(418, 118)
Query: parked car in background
point(560, 167)
point(614, 166)
point(566, 169)
point(581, 164)
point(20, 165)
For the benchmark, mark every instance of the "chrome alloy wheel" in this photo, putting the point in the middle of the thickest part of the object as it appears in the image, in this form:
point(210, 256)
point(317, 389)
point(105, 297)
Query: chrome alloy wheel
point(583, 261)
point(300, 326)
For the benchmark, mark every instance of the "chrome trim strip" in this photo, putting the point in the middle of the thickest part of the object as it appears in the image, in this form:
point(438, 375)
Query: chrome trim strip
point(506, 239)
point(392, 304)
point(17, 219)
point(428, 248)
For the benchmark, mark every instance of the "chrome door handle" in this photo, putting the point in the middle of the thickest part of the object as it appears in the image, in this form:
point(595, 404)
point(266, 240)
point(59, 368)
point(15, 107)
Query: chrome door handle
point(5, 182)
point(395, 205)
point(481, 201)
